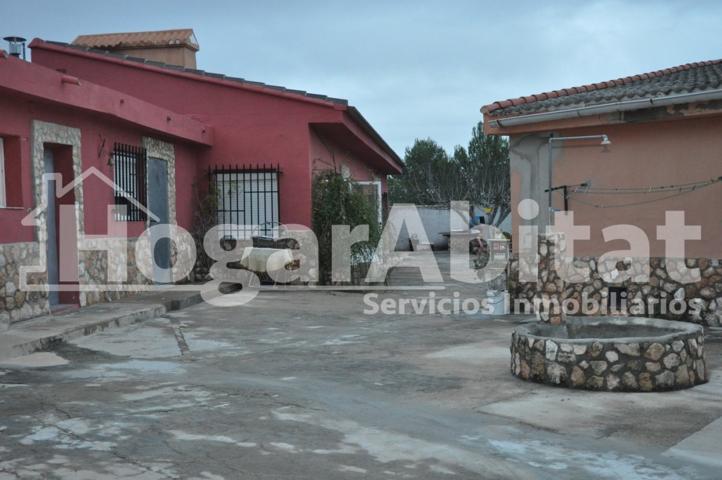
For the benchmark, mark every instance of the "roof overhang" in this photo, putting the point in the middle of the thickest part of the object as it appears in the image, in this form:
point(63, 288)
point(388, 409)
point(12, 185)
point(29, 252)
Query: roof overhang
point(345, 134)
point(48, 85)
point(592, 114)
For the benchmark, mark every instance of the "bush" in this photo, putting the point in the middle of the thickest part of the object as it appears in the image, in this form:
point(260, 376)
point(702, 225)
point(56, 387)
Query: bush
point(205, 217)
point(335, 202)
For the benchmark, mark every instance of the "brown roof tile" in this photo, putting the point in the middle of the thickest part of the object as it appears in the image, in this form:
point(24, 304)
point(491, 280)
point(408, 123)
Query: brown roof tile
point(697, 76)
point(161, 38)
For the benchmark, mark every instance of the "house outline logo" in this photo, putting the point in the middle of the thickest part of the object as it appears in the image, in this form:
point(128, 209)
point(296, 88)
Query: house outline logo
point(30, 219)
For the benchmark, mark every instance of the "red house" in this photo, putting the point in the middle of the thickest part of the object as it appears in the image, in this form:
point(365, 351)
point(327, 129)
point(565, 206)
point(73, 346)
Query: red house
point(138, 138)
point(254, 124)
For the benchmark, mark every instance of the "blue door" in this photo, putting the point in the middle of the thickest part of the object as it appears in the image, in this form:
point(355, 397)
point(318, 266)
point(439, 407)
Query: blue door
point(52, 229)
point(158, 205)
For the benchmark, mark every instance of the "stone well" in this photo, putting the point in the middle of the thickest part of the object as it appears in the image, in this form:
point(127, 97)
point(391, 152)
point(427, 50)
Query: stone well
point(611, 353)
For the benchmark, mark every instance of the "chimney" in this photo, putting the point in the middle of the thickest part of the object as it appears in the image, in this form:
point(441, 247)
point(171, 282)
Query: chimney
point(174, 47)
point(16, 46)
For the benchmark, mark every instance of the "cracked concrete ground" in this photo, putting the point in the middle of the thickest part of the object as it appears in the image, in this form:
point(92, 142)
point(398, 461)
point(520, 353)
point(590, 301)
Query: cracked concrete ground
point(305, 386)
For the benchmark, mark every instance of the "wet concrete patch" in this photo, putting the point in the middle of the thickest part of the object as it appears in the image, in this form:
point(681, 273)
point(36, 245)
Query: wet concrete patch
point(389, 447)
point(557, 459)
point(193, 437)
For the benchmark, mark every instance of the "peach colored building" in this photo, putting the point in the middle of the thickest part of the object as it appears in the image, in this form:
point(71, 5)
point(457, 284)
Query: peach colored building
point(650, 144)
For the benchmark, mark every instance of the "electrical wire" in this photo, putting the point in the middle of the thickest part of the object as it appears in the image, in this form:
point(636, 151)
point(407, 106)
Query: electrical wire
point(679, 190)
point(588, 189)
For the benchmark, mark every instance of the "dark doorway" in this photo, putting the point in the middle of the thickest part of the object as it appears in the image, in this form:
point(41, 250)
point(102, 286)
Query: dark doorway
point(158, 206)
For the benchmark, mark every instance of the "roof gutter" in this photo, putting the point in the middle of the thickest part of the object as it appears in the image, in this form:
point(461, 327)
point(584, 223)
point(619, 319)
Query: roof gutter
point(613, 107)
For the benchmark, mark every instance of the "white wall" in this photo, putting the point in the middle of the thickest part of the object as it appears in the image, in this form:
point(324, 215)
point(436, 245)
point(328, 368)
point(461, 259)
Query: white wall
point(435, 220)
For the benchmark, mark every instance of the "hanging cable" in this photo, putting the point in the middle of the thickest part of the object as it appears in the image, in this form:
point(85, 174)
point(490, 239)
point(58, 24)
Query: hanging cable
point(691, 186)
point(678, 190)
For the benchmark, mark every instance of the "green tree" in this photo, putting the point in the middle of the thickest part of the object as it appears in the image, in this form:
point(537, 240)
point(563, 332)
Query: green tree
point(430, 176)
point(485, 171)
point(478, 174)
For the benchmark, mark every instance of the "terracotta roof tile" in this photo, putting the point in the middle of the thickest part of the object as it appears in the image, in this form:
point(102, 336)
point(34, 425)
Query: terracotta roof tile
point(161, 38)
point(697, 76)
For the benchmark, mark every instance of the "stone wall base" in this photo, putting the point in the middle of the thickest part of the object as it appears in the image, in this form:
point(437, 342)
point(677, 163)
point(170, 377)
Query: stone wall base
point(17, 304)
point(662, 294)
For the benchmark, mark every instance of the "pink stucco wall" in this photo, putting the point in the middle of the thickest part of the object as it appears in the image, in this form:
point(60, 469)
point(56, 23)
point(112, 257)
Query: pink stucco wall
point(249, 127)
point(646, 154)
point(98, 134)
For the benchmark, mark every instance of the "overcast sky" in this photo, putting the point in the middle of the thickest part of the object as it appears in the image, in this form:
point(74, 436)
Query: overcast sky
point(415, 69)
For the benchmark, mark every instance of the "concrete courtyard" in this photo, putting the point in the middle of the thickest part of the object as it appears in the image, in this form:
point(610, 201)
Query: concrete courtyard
point(304, 385)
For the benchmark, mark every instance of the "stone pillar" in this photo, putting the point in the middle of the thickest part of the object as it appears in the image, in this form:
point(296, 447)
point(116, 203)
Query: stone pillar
point(551, 285)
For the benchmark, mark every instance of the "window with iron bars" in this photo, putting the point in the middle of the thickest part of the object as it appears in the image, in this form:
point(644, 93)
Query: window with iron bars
point(130, 190)
point(248, 203)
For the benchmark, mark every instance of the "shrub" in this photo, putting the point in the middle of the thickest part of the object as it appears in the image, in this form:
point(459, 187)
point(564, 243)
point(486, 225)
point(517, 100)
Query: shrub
point(205, 217)
point(336, 202)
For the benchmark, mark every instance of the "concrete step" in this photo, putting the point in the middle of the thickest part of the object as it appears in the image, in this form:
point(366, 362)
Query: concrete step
point(41, 333)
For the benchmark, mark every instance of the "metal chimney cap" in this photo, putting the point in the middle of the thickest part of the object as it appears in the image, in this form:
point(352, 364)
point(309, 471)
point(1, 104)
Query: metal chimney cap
point(15, 39)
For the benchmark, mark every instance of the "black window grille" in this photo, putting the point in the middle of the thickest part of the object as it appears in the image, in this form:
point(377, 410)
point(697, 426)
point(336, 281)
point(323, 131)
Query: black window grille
point(247, 198)
point(130, 190)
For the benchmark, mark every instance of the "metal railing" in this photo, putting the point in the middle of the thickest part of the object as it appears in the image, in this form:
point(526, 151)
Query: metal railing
point(248, 199)
point(129, 168)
